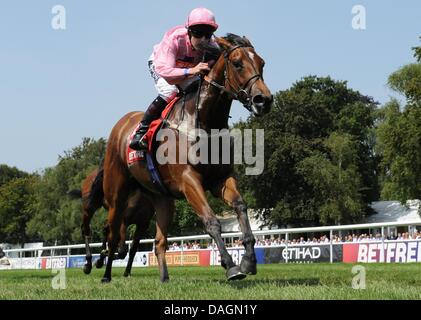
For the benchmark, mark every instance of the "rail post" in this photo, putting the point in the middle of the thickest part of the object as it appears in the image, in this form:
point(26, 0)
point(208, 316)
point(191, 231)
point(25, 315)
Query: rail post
point(286, 248)
point(182, 252)
point(331, 245)
point(382, 252)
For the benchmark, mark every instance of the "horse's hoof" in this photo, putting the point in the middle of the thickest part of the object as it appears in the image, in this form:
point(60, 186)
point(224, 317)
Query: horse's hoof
point(121, 255)
point(99, 264)
point(248, 266)
point(165, 280)
point(105, 280)
point(126, 274)
point(235, 273)
point(87, 268)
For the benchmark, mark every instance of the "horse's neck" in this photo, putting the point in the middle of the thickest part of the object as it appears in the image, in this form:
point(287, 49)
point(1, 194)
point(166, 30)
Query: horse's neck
point(215, 106)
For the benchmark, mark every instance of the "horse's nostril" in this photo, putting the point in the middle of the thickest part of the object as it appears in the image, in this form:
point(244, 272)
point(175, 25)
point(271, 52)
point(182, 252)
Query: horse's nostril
point(258, 99)
point(268, 103)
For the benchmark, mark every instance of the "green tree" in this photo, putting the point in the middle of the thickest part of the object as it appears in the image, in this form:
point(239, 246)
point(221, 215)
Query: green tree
point(56, 216)
point(417, 53)
point(399, 135)
point(9, 173)
point(16, 200)
point(407, 81)
point(335, 177)
point(187, 222)
point(320, 165)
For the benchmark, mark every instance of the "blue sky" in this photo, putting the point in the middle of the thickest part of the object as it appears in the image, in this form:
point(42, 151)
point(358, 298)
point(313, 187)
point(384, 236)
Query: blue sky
point(58, 86)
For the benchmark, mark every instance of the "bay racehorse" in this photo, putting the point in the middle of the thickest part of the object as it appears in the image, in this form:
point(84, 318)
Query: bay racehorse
point(139, 212)
point(236, 74)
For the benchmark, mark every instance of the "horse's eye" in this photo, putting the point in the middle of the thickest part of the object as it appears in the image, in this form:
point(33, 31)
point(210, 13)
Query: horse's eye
point(238, 64)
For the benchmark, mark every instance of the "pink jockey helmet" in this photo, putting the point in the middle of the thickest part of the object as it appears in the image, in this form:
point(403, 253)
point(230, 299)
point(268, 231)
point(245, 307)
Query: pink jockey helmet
point(201, 16)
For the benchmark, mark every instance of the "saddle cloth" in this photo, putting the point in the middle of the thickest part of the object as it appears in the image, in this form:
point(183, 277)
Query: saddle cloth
point(134, 156)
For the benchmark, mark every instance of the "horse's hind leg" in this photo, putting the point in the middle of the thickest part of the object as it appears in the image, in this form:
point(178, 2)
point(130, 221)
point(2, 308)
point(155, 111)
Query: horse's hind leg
point(100, 262)
point(122, 250)
point(116, 194)
point(196, 196)
point(89, 210)
point(229, 193)
point(164, 214)
point(86, 234)
point(114, 220)
point(133, 250)
point(141, 214)
point(92, 199)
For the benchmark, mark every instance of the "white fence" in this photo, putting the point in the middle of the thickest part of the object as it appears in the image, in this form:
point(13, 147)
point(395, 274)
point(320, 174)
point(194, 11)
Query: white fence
point(381, 227)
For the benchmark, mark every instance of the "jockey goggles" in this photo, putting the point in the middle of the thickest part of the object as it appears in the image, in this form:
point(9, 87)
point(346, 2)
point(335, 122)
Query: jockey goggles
point(200, 33)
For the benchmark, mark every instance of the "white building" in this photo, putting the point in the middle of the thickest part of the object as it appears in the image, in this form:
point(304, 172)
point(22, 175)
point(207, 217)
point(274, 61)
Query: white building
point(394, 211)
point(229, 222)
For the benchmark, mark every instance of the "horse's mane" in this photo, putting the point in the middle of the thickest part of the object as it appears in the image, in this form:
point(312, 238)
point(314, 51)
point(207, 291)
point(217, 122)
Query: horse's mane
point(213, 52)
point(237, 40)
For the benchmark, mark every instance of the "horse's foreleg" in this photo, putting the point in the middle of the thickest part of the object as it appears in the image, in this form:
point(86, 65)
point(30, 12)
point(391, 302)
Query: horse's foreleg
point(228, 191)
point(196, 196)
point(164, 214)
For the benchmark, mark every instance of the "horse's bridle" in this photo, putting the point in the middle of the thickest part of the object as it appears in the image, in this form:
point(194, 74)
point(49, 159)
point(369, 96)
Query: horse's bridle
point(241, 94)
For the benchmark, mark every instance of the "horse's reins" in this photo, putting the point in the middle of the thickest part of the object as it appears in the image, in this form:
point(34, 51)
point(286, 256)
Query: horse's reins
point(241, 94)
point(201, 77)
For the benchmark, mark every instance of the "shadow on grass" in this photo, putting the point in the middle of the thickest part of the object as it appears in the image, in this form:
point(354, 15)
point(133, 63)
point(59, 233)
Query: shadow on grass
point(274, 282)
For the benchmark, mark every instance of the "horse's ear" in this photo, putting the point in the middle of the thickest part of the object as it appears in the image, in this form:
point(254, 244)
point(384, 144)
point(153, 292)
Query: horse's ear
point(247, 41)
point(223, 43)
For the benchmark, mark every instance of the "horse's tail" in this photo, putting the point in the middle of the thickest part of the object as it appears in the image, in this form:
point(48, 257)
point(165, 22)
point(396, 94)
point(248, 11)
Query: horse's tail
point(95, 197)
point(92, 193)
point(75, 194)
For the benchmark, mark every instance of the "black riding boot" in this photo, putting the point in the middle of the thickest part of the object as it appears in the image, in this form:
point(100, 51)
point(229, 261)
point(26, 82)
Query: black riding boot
point(153, 112)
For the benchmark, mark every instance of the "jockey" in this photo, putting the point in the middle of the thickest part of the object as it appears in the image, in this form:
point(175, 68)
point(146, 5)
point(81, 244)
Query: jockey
point(176, 62)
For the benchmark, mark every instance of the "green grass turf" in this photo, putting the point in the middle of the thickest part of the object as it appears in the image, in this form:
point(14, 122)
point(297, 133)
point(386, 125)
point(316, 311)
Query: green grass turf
point(276, 281)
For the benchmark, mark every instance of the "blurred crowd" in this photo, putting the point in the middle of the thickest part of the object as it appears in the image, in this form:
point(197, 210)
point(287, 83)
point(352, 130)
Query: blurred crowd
point(276, 241)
